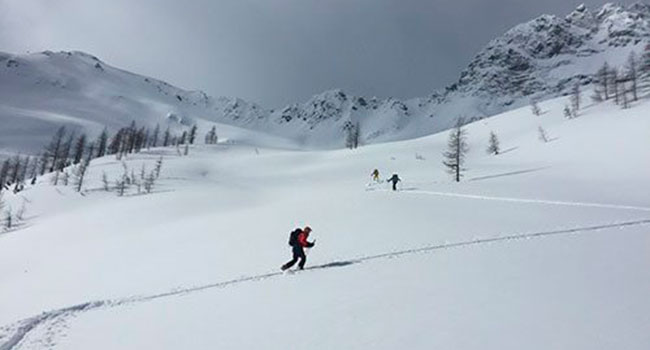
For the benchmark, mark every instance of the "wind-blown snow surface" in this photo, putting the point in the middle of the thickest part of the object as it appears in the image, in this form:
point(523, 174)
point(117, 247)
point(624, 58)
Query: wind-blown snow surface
point(41, 92)
point(545, 246)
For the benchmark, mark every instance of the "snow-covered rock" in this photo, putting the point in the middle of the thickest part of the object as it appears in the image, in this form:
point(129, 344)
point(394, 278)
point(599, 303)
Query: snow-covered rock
point(539, 59)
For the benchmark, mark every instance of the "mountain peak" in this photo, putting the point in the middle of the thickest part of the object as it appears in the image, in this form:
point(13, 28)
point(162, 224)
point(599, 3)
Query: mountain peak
point(333, 94)
point(541, 58)
point(582, 17)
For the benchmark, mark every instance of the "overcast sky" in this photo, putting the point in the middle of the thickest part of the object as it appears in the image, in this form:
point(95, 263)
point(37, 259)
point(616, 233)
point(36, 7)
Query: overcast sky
point(275, 52)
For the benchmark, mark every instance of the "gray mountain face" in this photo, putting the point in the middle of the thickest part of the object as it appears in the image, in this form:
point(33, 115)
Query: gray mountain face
point(539, 59)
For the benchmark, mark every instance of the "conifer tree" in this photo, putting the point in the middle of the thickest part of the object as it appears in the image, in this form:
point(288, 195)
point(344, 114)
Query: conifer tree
point(192, 135)
point(4, 173)
point(102, 142)
point(79, 148)
point(602, 82)
point(166, 138)
point(631, 72)
point(54, 148)
point(66, 148)
point(575, 99)
point(457, 149)
point(154, 137)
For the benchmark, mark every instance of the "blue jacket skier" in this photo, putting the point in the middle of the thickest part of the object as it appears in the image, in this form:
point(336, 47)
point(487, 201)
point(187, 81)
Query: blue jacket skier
point(395, 179)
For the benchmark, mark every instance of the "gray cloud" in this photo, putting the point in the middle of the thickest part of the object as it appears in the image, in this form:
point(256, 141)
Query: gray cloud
point(275, 51)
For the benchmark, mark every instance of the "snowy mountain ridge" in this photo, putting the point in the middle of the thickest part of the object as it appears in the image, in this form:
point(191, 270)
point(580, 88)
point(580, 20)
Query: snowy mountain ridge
point(539, 59)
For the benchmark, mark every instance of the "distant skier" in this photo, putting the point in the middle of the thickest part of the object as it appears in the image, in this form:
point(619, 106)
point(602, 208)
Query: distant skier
point(375, 175)
point(298, 242)
point(395, 179)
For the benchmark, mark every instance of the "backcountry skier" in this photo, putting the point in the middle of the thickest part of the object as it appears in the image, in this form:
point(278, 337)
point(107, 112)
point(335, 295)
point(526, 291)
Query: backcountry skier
point(298, 242)
point(375, 175)
point(395, 179)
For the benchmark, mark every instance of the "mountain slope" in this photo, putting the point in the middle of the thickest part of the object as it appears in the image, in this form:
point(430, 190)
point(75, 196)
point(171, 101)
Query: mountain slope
point(544, 241)
point(539, 59)
point(40, 92)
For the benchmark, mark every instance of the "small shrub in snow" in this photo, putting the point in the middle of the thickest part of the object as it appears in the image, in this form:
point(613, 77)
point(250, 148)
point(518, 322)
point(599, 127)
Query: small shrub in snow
point(8, 220)
point(125, 173)
point(149, 182)
point(493, 144)
point(211, 136)
point(54, 179)
point(535, 108)
point(352, 135)
point(597, 96)
point(20, 214)
point(158, 167)
point(79, 175)
point(575, 99)
point(121, 185)
point(65, 178)
point(542, 134)
point(105, 182)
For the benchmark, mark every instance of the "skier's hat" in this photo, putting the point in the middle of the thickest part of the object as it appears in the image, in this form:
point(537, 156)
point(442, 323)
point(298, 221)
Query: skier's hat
point(307, 229)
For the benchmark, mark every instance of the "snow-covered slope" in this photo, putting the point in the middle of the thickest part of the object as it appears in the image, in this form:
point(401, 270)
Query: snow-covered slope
point(544, 246)
point(40, 92)
point(538, 59)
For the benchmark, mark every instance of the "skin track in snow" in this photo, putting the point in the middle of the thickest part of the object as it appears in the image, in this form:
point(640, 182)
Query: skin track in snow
point(22, 328)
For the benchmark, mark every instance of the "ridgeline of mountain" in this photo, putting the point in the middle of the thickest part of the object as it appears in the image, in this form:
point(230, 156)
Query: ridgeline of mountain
point(539, 59)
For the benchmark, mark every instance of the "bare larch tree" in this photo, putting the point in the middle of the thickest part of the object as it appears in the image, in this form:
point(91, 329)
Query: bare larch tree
point(457, 148)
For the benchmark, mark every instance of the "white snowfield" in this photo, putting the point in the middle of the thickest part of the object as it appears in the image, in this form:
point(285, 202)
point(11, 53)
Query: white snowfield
point(545, 246)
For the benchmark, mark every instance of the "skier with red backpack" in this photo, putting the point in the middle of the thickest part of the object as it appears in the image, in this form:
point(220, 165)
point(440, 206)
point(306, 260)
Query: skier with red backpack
point(298, 242)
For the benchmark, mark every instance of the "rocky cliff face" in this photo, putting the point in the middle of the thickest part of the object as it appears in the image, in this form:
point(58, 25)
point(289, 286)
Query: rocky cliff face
point(539, 59)
point(523, 61)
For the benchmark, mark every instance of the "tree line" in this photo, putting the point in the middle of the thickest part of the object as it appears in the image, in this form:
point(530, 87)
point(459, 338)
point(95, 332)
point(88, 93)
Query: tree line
point(69, 148)
point(622, 84)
